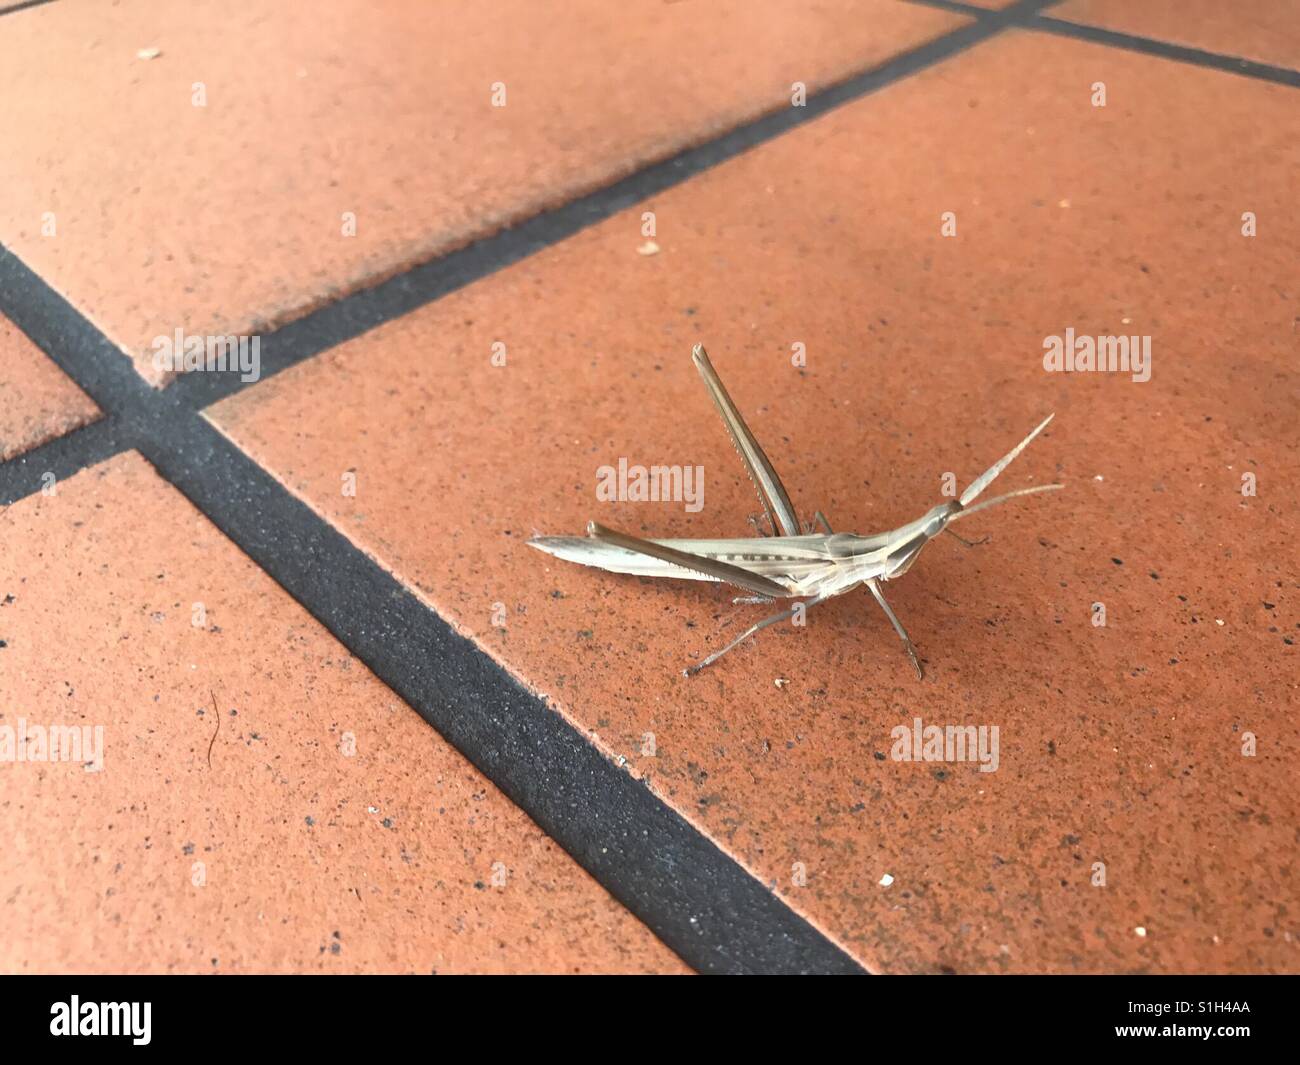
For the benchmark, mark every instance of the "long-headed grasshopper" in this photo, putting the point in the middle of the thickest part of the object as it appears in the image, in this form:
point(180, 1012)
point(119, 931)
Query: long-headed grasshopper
point(795, 564)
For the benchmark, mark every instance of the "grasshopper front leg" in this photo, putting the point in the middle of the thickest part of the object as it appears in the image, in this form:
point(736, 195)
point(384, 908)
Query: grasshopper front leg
point(898, 628)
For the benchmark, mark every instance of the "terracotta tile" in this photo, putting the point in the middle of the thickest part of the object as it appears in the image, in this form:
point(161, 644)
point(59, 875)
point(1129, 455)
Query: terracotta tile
point(385, 114)
point(37, 401)
point(286, 853)
point(1119, 744)
point(1267, 31)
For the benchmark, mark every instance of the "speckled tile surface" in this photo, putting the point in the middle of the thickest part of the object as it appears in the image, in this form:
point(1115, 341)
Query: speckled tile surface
point(331, 830)
point(1126, 828)
point(262, 163)
point(1264, 30)
point(37, 401)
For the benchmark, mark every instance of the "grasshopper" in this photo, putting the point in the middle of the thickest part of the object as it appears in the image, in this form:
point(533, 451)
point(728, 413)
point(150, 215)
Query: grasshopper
point(797, 563)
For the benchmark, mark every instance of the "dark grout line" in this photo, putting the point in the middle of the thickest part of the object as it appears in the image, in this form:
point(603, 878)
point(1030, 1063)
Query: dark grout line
point(1030, 19)
point(361, 311)
point(86, 356)
point(956, 8)
point(1164, 50)
point(62, 457)
point(13, 8)
point(74, 345)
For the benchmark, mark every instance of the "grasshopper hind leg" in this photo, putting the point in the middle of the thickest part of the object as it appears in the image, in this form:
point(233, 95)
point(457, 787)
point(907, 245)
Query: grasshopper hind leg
point(690, 671)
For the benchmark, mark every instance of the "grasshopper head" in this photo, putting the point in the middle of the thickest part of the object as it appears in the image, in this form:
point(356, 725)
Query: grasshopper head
point(938, 517)
point(919, 533)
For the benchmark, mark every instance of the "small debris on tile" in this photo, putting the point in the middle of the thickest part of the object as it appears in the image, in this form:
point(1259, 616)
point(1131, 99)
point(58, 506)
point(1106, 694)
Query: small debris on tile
point(886, 880)
point(1140, 931)
point(148, 53)
point(781, 682)
point(648, 248)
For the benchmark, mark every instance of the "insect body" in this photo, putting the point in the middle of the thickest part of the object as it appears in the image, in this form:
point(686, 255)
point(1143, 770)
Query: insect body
point(797, 563)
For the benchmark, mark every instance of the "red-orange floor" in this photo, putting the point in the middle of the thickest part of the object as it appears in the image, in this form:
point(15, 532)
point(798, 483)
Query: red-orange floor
point(283, 687)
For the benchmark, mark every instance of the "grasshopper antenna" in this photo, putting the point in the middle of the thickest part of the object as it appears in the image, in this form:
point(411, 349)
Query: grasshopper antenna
point(1002, 499)
point(987, 477)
